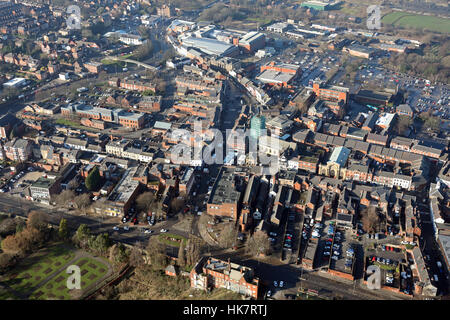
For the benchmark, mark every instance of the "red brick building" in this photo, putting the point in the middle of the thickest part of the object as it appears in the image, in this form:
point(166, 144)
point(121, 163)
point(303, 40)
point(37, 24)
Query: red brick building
point(330, 93)
point(214, 273)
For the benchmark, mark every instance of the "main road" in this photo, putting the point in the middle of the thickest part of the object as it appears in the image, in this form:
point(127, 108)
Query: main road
point(22, 208)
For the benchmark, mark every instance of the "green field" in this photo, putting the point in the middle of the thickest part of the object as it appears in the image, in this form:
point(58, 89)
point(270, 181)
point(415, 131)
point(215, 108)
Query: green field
point(91, 272)
point(416, 21)
point(69, 123)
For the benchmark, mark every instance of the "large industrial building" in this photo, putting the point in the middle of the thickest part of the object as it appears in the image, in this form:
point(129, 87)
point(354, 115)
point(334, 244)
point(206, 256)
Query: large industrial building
point(211, 46)
point(253, 41)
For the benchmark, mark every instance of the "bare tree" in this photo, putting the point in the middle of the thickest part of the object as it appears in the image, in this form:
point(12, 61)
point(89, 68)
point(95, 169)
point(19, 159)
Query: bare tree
point(7, 261)
point(7, 227)
point(136, 259)
point(64, 198)
point(228, 235)
point(370, 219)
point(37, 220)
point(72, 184)
point(194, 248)
point(181, 255)
point(144, 201)
point(82, 202)
point(258, 244)
point(157, 254)
point(177, 204)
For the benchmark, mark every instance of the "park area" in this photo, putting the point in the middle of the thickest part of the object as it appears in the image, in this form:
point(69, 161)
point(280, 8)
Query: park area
point(416, 21)
point(43, 275)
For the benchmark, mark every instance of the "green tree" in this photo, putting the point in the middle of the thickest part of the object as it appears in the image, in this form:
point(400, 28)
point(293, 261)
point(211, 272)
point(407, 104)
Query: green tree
point(63, 230)
point(93, 179)
point(82, 236)
point(100, 244)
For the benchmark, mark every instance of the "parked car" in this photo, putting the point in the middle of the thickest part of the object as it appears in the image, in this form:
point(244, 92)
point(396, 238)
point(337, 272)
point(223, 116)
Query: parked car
point(163, 230)
point(116, 228)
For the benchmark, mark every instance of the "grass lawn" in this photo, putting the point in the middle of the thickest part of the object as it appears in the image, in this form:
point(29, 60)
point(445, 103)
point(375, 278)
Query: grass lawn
point(69, 123)
point(5, 294)
point(417, 21)
point(111, 62)
point(91, 272)
point(36, 268)
point(167, 238)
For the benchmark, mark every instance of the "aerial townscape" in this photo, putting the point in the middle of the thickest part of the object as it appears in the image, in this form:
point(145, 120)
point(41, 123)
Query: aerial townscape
point(224, 150)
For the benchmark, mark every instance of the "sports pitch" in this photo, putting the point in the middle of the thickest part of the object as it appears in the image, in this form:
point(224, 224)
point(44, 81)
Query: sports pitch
point(416, 21)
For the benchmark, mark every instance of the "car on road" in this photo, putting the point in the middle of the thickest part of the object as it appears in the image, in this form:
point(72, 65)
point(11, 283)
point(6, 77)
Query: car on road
point(116, 228)
point(269, 293)
point(148, 231)
point(281, 284)
point(275, 284)
point(126, 228)
point(163, 230)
